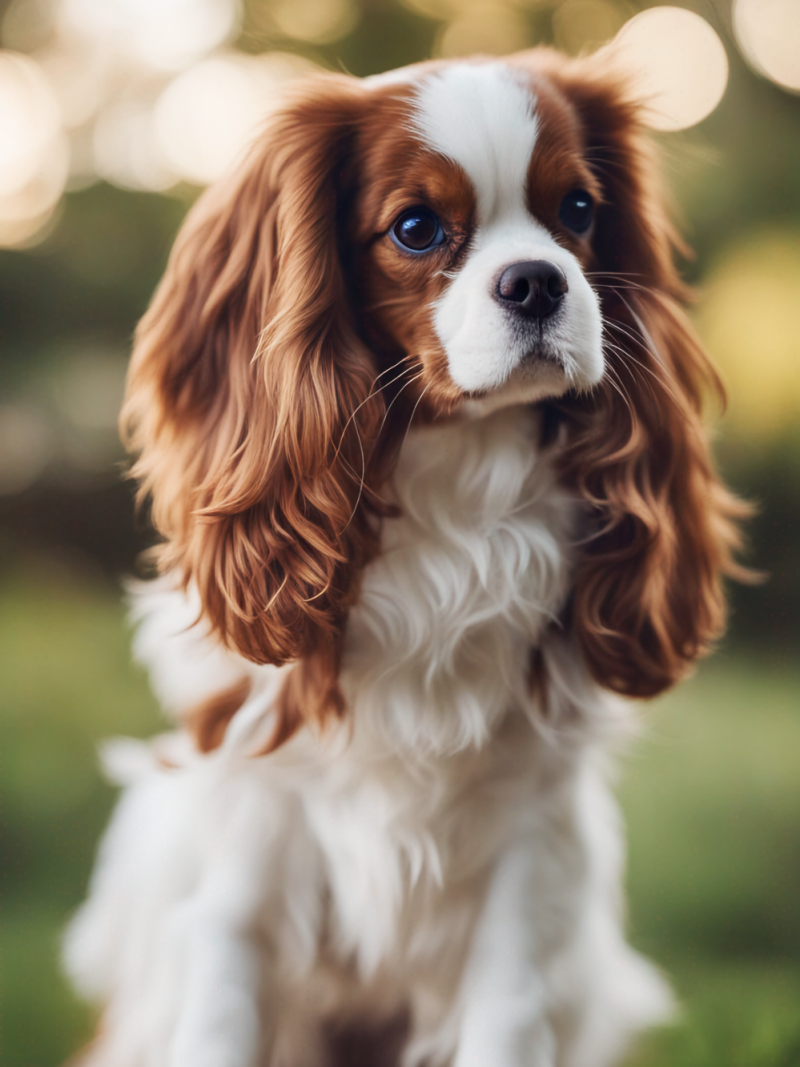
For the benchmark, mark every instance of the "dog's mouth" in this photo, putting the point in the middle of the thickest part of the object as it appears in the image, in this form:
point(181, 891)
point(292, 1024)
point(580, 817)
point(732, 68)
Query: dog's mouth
point(540, 374)
point(541, 352)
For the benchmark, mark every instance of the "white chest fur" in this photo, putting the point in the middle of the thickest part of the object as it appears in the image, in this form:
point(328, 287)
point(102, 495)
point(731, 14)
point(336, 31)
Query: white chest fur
point(435, 671)
point(469, 575)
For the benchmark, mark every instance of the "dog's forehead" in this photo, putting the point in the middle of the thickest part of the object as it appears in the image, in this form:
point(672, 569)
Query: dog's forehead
point(483, 116)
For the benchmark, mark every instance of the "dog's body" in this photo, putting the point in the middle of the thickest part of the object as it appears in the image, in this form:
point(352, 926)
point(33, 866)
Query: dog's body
point(449, 850)
point(445, 848)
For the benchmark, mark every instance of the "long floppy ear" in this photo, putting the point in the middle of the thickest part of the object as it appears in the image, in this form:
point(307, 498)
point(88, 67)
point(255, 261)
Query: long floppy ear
point(648, 597)
point(244, 380)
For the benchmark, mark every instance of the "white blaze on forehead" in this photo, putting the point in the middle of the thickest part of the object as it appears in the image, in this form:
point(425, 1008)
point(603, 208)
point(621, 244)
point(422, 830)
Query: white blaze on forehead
point(482, 116)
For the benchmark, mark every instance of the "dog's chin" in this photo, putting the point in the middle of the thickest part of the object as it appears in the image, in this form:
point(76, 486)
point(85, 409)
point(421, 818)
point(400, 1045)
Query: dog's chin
point(540, 375)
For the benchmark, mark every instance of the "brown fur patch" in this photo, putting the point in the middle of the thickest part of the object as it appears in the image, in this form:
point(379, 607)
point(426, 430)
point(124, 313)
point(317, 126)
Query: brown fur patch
point(208, 721)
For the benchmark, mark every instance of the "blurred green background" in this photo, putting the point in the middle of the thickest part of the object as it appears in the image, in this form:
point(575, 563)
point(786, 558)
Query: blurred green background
point(113, 114)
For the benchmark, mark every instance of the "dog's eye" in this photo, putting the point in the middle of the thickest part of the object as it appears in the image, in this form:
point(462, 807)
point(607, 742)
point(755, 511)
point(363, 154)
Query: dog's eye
point(577, 211)
point(417, 230)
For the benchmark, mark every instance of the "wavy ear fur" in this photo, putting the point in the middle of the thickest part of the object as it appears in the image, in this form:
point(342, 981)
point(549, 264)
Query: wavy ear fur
point(245, 374)
point(648, 598)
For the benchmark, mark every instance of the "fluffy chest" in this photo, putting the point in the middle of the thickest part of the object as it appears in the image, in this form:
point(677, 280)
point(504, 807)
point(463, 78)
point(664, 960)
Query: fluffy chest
point(470, 573)
point(439, 750)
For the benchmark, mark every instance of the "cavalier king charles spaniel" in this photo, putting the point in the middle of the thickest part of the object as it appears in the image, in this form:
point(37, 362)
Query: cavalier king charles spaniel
point(417, 409)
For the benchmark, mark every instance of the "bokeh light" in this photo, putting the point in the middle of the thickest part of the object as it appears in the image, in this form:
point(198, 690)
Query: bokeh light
point(25, 446)
point(33, 149)
point(206, 116)
point(677, 62)
point(768, 33)
point(488, 28)
point(148, 93)
point(165, 34)
point(125, 148)
point(440, 9)
point(317, 21)
point(79, 76)
point(582, 25)
point(29, 120)
point(750, 320)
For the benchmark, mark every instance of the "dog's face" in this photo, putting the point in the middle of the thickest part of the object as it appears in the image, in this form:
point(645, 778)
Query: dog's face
point(429, 245)
point(472, 229)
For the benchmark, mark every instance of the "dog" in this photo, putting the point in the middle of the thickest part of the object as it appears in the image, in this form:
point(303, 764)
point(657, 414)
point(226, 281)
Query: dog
point(418, 412)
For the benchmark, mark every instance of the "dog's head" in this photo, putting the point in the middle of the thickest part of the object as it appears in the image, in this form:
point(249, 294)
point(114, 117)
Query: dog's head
point(431, 244)
point(470, 233)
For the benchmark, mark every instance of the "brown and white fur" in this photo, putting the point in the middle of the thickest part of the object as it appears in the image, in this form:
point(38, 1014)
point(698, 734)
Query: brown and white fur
point(417, 541)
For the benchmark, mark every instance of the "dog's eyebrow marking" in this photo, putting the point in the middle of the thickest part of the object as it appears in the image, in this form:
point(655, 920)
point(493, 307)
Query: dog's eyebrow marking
point(483, 117)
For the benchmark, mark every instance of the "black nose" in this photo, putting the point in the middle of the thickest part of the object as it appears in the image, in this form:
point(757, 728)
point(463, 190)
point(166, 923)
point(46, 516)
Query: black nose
point(535, 289)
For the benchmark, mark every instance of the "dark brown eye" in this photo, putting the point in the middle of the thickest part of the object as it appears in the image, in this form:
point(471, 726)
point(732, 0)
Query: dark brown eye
point(417, 230)
point(577, 211)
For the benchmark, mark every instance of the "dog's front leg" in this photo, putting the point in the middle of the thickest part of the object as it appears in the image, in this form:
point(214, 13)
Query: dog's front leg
point(236, 1011)
point(218, 962)
point(504, 1020)
point(234, 945)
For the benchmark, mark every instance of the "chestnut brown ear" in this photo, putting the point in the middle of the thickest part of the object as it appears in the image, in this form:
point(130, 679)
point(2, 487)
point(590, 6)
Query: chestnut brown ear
point(244, 379)
point(648, 596)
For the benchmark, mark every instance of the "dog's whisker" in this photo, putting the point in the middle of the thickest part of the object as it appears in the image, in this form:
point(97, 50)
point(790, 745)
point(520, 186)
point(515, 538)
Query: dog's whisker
point(394, 398)
point(371, 395)
point(414, 411)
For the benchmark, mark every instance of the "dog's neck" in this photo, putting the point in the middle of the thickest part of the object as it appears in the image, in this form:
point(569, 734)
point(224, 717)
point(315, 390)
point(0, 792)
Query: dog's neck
point(469, 576)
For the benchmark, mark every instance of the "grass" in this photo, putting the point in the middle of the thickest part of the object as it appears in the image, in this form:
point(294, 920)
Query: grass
point(711, 794)
point(67, 680)
point(712, 801)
